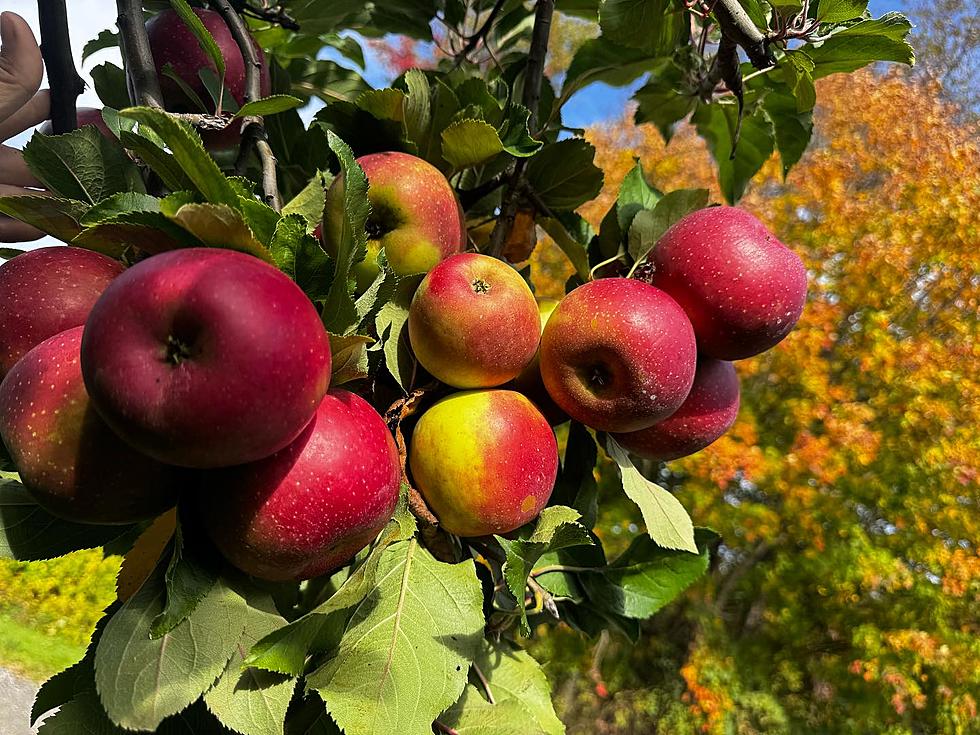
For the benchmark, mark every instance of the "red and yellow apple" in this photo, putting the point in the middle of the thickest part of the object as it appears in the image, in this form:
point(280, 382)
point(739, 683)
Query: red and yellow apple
point(484, 460)
point(415, 216)
point(473, 322)
point(205, 357)
point(46, 291)
point(307, 509)
point(618, 355)
point(69, 460)
point(709, 411)
point(530, 383)
point(742, 289)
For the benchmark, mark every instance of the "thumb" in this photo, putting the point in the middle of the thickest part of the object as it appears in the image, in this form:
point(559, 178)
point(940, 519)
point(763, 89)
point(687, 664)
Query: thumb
point(21, 67)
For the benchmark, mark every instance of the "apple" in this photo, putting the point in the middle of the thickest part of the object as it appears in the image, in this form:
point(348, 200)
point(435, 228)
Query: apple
point(618, 355)
point(473, 323)
point(741, 287)
point(307, 509)
point(46, 291)
point(205, 357)
point(708, 412)
point(484, 460)
point(67, 457)
point(415, 216)
point(86, 116)
point(530, 383)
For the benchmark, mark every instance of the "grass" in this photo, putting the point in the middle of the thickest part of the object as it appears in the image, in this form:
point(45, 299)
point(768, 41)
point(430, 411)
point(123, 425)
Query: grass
point(33, 654)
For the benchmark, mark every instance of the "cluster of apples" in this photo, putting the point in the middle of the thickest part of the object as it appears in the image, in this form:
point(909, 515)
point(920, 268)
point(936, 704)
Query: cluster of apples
point(647, 360)
point(200, 373)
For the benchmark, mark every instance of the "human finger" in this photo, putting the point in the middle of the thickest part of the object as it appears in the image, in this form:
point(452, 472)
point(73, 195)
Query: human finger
point(34, 112)
point(13, 168)
point(21, 67)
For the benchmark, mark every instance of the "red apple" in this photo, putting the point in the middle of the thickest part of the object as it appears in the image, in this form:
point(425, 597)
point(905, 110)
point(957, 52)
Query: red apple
point(309, 508)
point(205, 357)
point(473, 322)
point(618, 355)
point(67, 457)
point(708, 412)
point(484, 460)
point(741, 287)
point(86, 116)
point(46, 291)
point(530, 382)
point(415, 216)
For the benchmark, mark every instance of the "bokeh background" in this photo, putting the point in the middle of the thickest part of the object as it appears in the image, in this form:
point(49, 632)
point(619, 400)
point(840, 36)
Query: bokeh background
point(846, 595)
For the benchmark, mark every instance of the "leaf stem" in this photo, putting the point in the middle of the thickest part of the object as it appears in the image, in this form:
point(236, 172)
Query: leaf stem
point(63, 78)
point(484, 682)
point(561, 568)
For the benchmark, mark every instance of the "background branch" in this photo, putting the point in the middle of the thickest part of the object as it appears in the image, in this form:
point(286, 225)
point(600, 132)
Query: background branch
point(63, 78)
point(141, 75)
point(254, 136)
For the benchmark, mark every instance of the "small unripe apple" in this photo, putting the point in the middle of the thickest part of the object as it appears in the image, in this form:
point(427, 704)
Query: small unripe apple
point(46, 291)
point(85, 116)
point(415, 216)
point(69, 460)
point(618, 355)
point(473, 322)
point(205, 357)
point(307, 509)
point(741, 287)
point(530, 382)
point(709, 411)
point(484, 460)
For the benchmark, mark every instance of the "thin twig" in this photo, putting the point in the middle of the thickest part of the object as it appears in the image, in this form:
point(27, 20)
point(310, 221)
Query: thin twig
point(473, 40)
point(254, 136)
point(63, 78)
point(141, 75)
point(485, 683)
point(275, 14)
point(445, 729)
point(533, 75)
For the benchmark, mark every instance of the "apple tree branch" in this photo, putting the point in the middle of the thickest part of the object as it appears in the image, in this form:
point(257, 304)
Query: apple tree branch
point(141, 75)
point(63, 78)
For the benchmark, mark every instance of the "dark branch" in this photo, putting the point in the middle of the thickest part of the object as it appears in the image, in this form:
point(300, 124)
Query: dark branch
point(736, 24)
point(533, 75)
point(474, 40)
point(141, 75)
point(469, 197)
point(63, 78)
point(253, 129)
point(275, 15)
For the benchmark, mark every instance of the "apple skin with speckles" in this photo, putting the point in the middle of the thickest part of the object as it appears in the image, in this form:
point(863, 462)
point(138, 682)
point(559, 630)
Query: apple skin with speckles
point(618, 355)
point(46, 291)
point(85, 116)
point(530, 383)
point(473, 322)
point(172, 43)
point(67, 457)
point(415, 216)
point(709, 411)
point(484, 460)
point(742, 289)
point(205, 357)
point(309, 508)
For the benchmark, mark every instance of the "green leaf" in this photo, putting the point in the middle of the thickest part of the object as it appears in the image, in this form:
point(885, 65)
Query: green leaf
point(141, 680)
point(187, 583)
point(110, 85)
point(576, 485)
point(565, 237)
point(602, 60)
point(668, 524)
point(556, 528)
point(468, 143)
point(7, 254)
point(649, 225)
point(380, 292)
point(300, 256)
point(249, 700)
point(837, 11)
point(339, 311)
point(793, 128)
point(652, 25)
point(880, 39)
point(514, 134)
point(162, 163)
point(269, 105)
point(391, 326)
point(285, 650)
point(716, 124)
point(350, 358)
point(403, 657)
point(756, 10)
point(151, 232)
point(417, 112)
point(309, 202)
point(664, 99)
point(201, 33)
point(384, 104)
point(81, 165)
point(83, 715)
point(30, 533)
point(564, 175)
point(188, 150)
point(117, 204)
point(797, 70)
point(521, 694)
point(647, 577)
point(220, 226)
point(57, 217)
point(105, 39)
point(635, 193)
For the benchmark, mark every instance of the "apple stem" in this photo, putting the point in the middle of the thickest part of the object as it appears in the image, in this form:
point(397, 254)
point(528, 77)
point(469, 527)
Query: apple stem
point(141, 75)
point(63, 78)
point(254, 135)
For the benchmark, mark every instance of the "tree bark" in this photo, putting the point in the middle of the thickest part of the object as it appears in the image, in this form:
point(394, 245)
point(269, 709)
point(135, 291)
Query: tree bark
point(63, 78)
